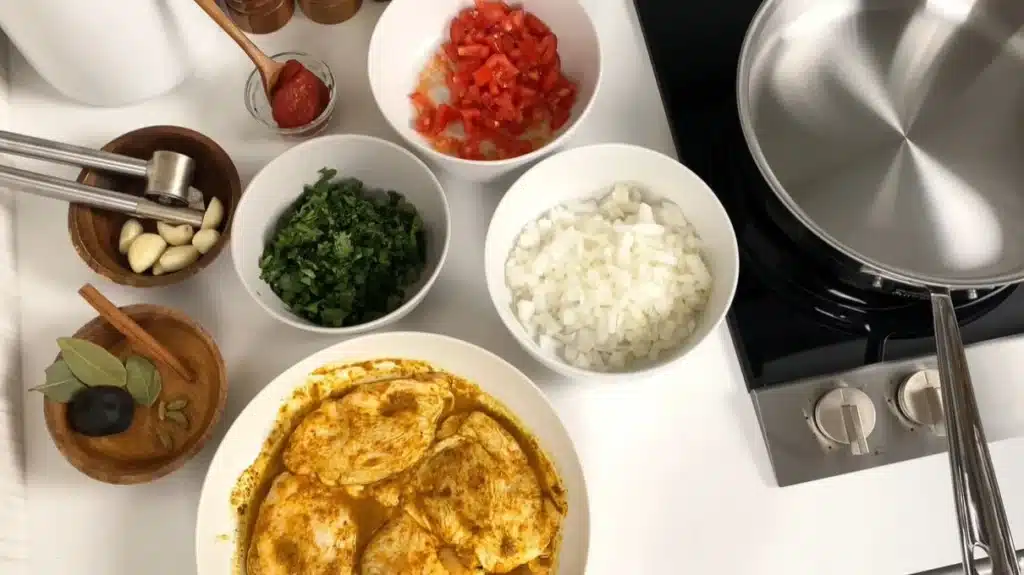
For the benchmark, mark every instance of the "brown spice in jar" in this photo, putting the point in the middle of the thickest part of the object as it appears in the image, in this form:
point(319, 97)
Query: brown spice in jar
point(329, 11)
point(260, 16)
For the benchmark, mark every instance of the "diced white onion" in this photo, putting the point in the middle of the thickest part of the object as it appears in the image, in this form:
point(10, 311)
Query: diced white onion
point(609, 282)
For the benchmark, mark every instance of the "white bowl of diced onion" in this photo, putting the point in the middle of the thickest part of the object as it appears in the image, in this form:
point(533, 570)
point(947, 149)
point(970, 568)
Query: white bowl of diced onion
point(610, 260)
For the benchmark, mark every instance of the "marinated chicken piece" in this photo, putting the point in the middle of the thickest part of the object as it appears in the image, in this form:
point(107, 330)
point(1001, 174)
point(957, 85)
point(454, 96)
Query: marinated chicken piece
point(372, 433)
point(303, 527)
point(403, 547)
point(477, 492)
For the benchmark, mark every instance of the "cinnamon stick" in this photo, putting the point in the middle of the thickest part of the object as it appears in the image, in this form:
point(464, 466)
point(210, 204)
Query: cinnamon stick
point(133, 331)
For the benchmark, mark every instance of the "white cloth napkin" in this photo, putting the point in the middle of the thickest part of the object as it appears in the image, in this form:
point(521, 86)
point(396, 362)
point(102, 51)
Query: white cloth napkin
point(13, 519)
point(13, 555)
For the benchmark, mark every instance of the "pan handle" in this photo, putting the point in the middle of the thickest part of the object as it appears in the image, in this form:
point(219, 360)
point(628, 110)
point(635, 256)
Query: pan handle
point(979, 505)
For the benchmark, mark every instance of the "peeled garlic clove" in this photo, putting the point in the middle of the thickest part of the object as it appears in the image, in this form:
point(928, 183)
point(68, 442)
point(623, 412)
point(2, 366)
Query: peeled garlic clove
point(129, 231)
point(175, 235)
point(177, 257)
point(214, 214)
point(145, 251)
point(158, 270)
point(204, 240)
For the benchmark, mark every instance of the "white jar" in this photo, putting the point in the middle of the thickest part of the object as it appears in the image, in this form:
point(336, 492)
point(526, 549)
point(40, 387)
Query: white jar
point(99, 52)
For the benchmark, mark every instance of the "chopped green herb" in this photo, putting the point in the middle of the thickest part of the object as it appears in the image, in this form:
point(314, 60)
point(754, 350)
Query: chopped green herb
point(344, 254)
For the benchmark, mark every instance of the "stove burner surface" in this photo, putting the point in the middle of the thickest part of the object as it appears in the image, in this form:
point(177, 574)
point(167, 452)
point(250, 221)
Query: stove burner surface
point(802, 309)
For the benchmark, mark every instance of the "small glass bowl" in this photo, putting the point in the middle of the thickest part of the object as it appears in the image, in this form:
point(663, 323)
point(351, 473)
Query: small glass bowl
point(259, 107)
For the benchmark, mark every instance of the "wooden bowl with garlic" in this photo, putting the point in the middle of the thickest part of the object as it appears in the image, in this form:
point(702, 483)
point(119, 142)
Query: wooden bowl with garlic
point(145, 253)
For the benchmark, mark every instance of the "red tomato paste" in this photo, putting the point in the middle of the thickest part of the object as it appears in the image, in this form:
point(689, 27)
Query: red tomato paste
point(299, 96)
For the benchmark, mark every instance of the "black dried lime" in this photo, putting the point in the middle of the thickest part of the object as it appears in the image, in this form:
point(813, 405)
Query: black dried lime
point(101, 410)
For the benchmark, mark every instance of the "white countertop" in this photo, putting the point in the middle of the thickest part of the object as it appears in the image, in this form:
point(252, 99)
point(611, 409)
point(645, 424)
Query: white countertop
point(677, 470)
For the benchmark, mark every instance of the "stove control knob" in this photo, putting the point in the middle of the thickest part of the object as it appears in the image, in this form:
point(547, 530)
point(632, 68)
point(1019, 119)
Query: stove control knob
point(846, 416)
point(919, 399)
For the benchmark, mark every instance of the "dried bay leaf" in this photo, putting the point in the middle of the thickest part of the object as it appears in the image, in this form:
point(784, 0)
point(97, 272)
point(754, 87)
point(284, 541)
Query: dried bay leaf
point(91, 364)
point(61, 385)
point(59, 373)
point(142, 380)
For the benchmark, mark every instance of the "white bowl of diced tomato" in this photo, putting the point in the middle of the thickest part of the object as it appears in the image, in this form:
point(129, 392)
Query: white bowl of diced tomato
point(483, 87)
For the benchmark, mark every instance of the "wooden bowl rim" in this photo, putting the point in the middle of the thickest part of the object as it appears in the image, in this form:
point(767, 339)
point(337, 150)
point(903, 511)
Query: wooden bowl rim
point(219, 157)
point(83, 463)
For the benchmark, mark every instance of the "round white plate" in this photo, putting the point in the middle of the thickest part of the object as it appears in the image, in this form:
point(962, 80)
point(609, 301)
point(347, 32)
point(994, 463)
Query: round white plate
point(216, 520)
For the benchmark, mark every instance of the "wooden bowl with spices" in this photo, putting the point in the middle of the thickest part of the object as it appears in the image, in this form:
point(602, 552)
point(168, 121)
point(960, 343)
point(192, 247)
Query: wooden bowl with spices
point(96, 234)
point(171, 415)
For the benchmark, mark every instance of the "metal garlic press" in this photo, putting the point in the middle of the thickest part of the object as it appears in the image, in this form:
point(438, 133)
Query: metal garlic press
point(168, 195)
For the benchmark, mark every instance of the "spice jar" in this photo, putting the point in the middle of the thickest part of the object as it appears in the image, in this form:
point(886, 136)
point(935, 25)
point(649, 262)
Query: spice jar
point(259, 16)
point(329, 11)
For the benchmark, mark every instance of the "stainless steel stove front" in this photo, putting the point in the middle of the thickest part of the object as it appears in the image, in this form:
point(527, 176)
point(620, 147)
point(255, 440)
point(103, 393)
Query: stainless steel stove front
point(875, 415)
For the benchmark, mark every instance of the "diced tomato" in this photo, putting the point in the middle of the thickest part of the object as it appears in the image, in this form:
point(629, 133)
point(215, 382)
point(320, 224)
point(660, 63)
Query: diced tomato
point(424, 124)
point(506, 42)
point(483, 75)
point(421, 101)
point(499, 61)
point(547, 49)
point(471, 149)
point(467, 65)
point(456, 86)
point(517, 18)
point(516, 129)
point(457, 31)
point(528, 48)
point(450, 50)
point(559, 117)
point(550, 80)
point(491, 12)
point(494, 41)
point(445, 115)
point(536, 25)
point(477, 51)
point(504, 82)
point(505, 107)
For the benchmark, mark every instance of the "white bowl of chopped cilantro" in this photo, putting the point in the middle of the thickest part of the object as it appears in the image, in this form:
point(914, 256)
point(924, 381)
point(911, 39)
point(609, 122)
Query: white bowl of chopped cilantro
point(342, 234)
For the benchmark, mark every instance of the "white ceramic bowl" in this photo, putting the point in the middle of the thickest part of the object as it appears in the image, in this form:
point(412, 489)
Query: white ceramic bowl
point(589, 172)
point(408, 34)
point(216, 521)
point(379, 164)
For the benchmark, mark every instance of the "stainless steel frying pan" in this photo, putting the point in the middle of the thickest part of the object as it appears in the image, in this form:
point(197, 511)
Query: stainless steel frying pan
point(894, 130)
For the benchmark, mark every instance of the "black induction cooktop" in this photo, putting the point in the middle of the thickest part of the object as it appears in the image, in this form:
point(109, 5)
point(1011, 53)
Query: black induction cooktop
point(801, 309)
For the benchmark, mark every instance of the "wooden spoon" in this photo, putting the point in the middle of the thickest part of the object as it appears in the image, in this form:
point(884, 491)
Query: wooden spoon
point(268, 68)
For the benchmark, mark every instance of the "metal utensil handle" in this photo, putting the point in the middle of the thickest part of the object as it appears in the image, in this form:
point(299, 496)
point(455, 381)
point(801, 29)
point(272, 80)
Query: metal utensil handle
point(74, 192)
point(979, 505)
point(40, 149)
